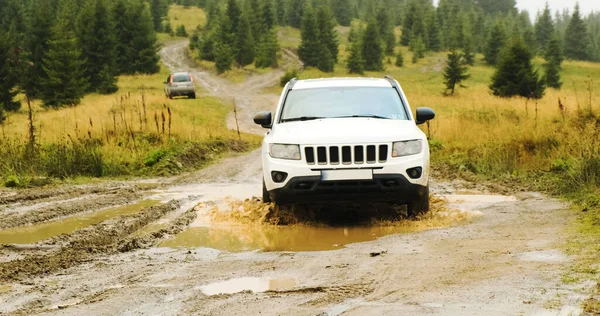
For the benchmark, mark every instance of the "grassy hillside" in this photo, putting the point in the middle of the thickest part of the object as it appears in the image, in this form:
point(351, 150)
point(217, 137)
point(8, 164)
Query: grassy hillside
point(137, 131)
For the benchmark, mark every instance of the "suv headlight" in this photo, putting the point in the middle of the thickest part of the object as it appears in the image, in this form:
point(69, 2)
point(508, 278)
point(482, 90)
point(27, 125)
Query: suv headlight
point(407, 148)
point(281, 151)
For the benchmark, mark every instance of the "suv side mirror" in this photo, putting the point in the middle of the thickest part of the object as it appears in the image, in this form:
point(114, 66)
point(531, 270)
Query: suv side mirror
point(264, 119)
point(424, 115)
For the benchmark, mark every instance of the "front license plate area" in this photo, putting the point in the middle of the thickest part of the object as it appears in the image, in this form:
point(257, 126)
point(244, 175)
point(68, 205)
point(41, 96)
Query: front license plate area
point(348, 174)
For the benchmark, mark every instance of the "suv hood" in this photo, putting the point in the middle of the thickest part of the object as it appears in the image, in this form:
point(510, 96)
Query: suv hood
point(345, 131)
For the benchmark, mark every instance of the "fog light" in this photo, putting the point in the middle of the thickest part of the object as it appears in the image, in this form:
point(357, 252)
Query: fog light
point(415, 173)
point(278, 177)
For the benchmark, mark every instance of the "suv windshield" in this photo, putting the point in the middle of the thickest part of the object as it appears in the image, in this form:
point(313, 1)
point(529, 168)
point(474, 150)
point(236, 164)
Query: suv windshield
point(336, 102)
point(182, 78)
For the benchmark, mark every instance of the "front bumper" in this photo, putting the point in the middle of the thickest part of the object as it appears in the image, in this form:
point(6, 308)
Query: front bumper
point(393, 188)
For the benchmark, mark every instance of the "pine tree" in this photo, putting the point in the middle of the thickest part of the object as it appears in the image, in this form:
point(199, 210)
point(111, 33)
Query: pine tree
point(494, 44)
point(123, 35)
point(435, 33)
point(355, 62)
point(223, 57)
point(97, 41)
point(326, 62)
point(159, 9)
point(409, 21)
point(12, 34)
point(142, 52)
point(554, 60)
point(327, 35)
point(372, 50)
point(231, 22)
point(295, 13)
point(455, 72)
point(468, 51)
point(252, 9)
point(399, 59)
point(310, 47)
point(390, 43)
point(243, 46)
point(267, 50)
point(544, 28)
point(167, 28)
point(268, 16)
point(38, 37)
point(515, 75)
point(342, 11)
point(181, 31)
point(206, 49)
point(495, 7)
point(386, 30)
point(7, 77)
point(418, 48)
point(576, 38)
point(280, 11)
point(353, 35)
point(65, 83)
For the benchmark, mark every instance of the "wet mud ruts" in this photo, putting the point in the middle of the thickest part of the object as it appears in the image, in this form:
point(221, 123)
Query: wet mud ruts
point(83, 244)
point(50, 212)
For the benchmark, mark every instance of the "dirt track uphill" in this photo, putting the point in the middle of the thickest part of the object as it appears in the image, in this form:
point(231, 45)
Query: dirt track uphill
point(203, 244)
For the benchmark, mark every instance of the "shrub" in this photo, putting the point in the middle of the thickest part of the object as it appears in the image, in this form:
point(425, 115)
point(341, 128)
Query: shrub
point(12, 182)
point(289, 75)
point(181, 31)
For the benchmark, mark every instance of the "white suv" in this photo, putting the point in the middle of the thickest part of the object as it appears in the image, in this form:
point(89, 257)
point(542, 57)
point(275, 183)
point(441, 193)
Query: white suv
point(345, 140)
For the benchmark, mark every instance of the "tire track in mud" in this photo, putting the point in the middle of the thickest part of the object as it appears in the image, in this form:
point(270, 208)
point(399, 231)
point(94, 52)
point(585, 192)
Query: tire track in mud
point(38, 195)
point(82, 245)
point(67, 208)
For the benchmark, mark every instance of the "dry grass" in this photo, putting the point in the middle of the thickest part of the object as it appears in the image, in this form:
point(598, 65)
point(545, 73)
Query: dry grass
point(136, 131)
point(190, 17)
point(134, 107)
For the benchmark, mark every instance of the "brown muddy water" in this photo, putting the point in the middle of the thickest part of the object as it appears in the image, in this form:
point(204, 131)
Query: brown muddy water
point(239, 238)
point(237, 226)
point(43, 231)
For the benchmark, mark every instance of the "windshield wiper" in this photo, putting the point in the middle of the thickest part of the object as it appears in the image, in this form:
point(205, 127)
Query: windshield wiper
point(366, 115)
point(302, 118)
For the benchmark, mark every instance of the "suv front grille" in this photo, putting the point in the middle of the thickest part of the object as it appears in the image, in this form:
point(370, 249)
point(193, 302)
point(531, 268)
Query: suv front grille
point(346, 155)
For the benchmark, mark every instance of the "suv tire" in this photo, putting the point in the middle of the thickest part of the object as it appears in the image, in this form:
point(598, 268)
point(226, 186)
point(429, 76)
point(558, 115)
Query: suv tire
point(266, 198)
point(192, 96)
point(420, 205)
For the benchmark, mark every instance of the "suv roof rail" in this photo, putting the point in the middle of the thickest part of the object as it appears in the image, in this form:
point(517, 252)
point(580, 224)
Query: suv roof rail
point(292, 82)
point(390, 80)
point(393, 82)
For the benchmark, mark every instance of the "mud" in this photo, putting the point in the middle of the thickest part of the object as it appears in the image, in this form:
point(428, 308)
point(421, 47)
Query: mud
point(236, 225)
point(78, 246)
point(254, 285)
point(151, 237)
point(40, 232)
point(211, 247)
point(65, 208)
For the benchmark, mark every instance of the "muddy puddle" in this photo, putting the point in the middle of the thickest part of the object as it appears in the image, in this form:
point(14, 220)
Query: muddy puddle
point(43, 231)
point(279, 238)
point(255, 285)
point(251, 225)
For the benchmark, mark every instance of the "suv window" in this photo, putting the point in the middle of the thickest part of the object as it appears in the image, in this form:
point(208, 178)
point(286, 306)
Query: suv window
point(182, 78)
point(336, 102)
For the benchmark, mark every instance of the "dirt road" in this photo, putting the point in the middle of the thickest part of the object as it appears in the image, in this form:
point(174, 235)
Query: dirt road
point(195, 245)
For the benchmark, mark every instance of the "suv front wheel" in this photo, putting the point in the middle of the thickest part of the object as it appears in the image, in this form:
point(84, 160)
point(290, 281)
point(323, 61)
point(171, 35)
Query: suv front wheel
point(265, 194)
point(420, 205)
